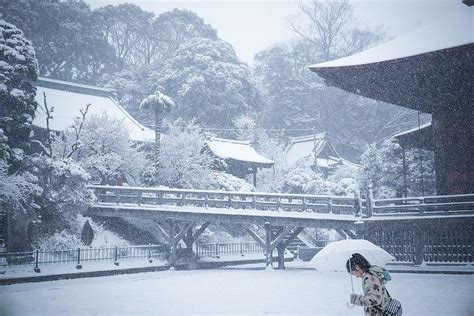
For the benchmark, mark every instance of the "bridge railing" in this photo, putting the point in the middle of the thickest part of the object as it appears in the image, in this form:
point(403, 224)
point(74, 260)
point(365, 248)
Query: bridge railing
point(429, 205)
point(223, 199)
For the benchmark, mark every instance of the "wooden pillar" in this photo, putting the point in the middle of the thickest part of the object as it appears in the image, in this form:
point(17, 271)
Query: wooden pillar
point(255, 177)
point(418, 244)
point(281, 255)
point(171, 240)
point(405, 185)
point(268, 244)
point(453, 150)
point(189, 238)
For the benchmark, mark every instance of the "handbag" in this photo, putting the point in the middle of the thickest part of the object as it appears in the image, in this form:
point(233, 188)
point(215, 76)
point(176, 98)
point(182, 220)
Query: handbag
point(394, 308)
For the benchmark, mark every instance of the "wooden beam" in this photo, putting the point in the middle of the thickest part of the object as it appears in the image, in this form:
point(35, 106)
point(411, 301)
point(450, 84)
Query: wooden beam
point(268, 245)
point(350, 233)
point(162, 230)
point(342, 233)
point(183, 231)
point(293, 236)
point(171, 241)
point(200, 230)
point(256, 237)
point(281, 237)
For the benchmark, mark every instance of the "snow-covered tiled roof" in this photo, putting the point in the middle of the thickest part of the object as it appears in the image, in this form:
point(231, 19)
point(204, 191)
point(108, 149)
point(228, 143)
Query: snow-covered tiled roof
point(69, 98)
point(236, 150)
point(450, 30)
point(304, 147)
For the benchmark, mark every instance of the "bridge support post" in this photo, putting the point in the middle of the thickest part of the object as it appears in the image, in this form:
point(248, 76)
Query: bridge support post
point(281, 255)
point(172, 241)
point(268, 245)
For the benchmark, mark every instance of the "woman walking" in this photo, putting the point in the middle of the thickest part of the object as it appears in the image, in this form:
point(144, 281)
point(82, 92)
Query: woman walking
point(376, 298)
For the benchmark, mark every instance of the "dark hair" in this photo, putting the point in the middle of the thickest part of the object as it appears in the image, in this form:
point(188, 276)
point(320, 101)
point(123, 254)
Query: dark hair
point(357, 260)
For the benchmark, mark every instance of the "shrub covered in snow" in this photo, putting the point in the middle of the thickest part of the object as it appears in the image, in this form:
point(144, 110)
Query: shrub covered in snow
point(64, 194)
point(63, 240)
point(227, 182)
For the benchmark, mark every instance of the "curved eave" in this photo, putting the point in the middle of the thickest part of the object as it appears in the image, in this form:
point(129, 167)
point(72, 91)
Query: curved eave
point(423, 82)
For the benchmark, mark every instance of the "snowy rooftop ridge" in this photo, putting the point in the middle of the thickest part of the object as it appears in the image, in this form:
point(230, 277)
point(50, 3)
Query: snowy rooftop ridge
point(446, 32)
point(305, 138)
point(69, 98)
point(236, 150)
point(72, 86)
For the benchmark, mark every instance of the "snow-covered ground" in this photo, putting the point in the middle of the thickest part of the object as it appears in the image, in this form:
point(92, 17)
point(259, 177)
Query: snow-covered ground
point(240, 290)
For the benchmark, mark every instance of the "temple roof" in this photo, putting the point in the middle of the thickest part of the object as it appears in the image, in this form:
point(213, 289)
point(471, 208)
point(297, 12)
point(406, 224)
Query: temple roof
point(417, 137)
point(69, 98)
point(237, 150)
point(425, 69)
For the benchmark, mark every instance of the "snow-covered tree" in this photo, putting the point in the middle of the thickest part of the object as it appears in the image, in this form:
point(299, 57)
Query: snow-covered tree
point(18, 71)
point(209, 82)
point(382, 169)
point(245, 128)
point(159, 104)
point(182, 162)
point(64, 194)
point(105, 150)
point(65, 36)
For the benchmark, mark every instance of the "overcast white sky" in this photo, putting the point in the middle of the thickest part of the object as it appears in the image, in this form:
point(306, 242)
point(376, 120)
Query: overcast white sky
point(252, 26)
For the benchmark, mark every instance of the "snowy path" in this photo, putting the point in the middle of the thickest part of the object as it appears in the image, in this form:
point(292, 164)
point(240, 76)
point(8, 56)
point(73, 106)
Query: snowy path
point(231, 291)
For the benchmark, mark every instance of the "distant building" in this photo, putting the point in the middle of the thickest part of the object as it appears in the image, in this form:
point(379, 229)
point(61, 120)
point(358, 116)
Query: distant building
point(236, 157)
point(69, 98)
point(318, 149)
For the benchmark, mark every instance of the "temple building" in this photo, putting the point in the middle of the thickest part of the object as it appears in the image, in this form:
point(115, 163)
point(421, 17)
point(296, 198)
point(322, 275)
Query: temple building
point(429, 70)
point(317, 149)
point(237, 157)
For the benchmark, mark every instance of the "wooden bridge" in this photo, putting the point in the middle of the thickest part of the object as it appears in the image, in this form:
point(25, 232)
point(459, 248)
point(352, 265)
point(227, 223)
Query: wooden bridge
point(178, 213)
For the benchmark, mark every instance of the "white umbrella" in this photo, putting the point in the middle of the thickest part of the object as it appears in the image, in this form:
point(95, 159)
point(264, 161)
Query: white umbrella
point(334, 256)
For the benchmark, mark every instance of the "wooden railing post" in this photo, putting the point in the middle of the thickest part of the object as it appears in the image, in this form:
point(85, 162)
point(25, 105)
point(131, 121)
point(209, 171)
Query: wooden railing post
point(117, 196)
point(217, 249)
point(330, 205)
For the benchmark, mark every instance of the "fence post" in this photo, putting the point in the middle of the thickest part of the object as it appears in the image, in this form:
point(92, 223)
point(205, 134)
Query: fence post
point(241, 248)
point(36, 269)
point(78, 265)
point(217, 249)
point(150, 260)
point(116, 256)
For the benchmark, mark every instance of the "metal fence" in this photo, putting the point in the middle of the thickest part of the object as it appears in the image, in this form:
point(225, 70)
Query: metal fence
point(216, 249)
point(83, 255)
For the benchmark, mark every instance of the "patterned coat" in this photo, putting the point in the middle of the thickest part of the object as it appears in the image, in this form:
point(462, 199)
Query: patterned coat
point(375, 298)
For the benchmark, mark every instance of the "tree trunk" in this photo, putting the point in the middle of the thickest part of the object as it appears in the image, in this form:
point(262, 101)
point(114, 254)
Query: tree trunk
point(158, 122)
